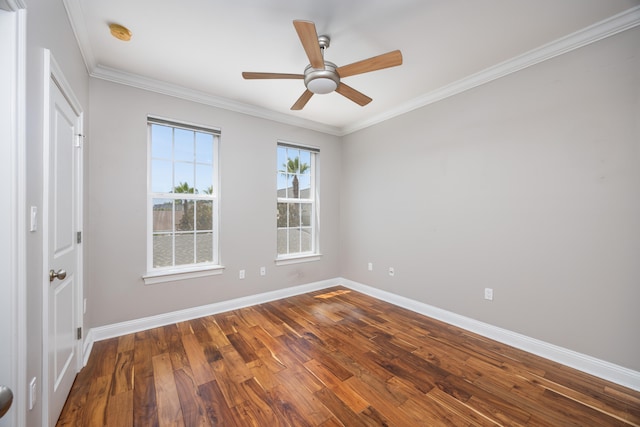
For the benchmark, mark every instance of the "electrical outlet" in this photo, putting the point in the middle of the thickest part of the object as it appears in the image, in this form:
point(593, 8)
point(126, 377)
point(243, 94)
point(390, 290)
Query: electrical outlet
point(488, 294)
point(241, 274)
point(370, 266)
point(392, 272)
point(263, 271)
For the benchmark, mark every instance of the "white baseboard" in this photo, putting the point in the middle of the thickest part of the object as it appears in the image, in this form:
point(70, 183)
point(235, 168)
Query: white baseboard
point(87, 346)
point(600, 368)
point(118, 329)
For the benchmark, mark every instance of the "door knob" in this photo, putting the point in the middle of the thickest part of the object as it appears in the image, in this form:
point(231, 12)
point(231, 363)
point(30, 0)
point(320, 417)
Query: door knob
point(6, 397)
point(60, 274)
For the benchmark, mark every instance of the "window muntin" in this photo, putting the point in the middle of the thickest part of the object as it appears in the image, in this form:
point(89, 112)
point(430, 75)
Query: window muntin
point(297, 206)
point(183, 196)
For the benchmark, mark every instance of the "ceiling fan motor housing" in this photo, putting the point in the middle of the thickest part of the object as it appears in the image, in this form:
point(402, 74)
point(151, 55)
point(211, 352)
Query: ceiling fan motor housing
point(321, 81)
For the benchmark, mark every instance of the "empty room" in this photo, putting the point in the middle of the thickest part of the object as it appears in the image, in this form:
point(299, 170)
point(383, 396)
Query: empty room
point(336, 213)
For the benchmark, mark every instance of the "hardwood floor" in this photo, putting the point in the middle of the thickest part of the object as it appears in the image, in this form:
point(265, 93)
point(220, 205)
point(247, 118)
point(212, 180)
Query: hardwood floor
point(332, 358)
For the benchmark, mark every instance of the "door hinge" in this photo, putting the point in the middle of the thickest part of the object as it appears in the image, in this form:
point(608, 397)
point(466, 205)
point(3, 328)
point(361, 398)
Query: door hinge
point(79, 139)
point(79, 333)
point(79, 237)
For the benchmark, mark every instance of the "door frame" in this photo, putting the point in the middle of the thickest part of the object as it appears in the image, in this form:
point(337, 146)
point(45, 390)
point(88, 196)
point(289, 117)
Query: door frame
point(53, 75)
point(14, 119)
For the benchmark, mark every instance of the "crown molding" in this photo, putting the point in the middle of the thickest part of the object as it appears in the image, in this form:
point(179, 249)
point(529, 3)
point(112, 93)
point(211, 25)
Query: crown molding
point(140, 82)
point(591, 34)
point(13, 5)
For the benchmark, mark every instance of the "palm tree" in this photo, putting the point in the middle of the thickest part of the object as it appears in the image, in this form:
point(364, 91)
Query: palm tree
point(293, 167)
point(186, 220)
point(183, 188)
point(204, 210)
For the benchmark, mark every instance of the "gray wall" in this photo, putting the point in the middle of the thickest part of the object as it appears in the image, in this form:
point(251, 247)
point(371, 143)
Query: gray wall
point(529, 185)
point(116, 234)
point(47, 27)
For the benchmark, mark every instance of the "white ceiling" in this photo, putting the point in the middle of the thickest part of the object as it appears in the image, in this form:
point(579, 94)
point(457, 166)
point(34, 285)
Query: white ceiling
point(197, 49)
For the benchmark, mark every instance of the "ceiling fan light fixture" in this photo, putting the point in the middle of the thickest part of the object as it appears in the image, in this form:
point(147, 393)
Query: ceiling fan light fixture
point(321, 81)
point(322, 85)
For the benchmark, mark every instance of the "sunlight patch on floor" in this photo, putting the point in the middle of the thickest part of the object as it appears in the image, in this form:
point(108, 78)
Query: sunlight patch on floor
point(333, 294)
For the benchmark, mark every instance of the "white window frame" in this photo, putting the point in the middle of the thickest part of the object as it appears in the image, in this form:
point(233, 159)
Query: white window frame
point(314, 198)
point(187, 271)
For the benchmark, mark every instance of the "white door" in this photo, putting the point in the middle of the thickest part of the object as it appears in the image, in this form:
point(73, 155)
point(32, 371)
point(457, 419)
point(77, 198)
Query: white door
point(64, 281)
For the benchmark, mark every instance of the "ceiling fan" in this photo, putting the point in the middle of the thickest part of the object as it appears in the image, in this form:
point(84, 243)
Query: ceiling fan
point(320, 76)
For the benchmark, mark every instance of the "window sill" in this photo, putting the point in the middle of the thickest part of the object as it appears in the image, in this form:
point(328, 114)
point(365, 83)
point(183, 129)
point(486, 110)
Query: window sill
point(162, 276)
point(298, 259)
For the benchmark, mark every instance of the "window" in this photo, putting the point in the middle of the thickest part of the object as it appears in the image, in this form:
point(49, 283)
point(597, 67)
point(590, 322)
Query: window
point(297, 215)
point(182, 198)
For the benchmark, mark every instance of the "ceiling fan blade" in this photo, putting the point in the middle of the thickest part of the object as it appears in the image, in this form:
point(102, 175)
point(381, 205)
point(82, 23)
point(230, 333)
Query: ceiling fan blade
point(309, 38)
point(349, 92)
point(386, 60)
point(302, 101)
point(251, 75)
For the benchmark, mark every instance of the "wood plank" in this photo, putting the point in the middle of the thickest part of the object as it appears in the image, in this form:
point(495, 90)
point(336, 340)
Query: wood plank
point(159, 337)
point(276, 309)
point(331, 422)
point(214, 403)
point(383, 400)
point(242, 347)
point(277, 349)
point(106, 357)
point(143, 352)
point(426, 414)
point(460, 409)
point(270, 323)
point(123, 373)
point(372, 417)
point(263, 373)
point(126, 343)
point(218, 336)
point(119, 411)
point(169, 411)
point(339, 409)
point(324, 375)
point(237, 369)
point(228, 383)
point(299, 408)
point(258, 398)
point(198, 362)
point(179, 359)
point(194, 412)
point(485, 402)
point(97, 399)
point(145, 408)
point(227, 323)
